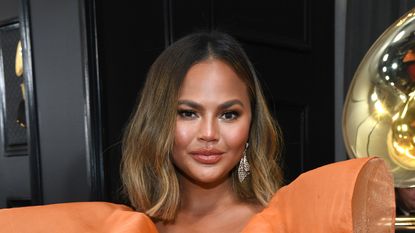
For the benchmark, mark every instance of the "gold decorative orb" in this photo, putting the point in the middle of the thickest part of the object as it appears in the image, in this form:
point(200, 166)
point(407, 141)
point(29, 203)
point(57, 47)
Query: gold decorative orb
point(379, 111)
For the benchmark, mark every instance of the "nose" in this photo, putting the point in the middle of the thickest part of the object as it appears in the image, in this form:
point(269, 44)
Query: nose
point(208, 130)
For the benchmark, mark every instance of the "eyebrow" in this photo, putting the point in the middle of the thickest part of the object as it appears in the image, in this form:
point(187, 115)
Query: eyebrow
point(224, 105)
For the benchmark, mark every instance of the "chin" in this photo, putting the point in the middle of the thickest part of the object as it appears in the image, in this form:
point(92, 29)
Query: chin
point(208, 179)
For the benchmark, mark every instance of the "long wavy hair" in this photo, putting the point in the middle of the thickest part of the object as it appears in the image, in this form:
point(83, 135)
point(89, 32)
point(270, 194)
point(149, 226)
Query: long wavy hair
point(148, 173)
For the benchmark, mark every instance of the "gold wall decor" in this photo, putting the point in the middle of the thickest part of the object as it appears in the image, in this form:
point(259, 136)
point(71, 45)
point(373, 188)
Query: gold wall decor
point(21, 110)
point(19, 60)
point(12, 91)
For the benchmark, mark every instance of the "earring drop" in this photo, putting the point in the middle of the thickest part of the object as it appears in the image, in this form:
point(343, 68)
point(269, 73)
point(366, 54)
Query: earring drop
point(244, 167)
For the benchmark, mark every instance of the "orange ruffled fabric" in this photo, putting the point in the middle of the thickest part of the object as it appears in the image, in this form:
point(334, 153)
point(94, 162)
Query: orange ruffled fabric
point(91, 217)
point(351, 196)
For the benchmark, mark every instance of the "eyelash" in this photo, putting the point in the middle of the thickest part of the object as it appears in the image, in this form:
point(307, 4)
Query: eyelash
point(190, 114)
point(235, 115)
point(182, 113)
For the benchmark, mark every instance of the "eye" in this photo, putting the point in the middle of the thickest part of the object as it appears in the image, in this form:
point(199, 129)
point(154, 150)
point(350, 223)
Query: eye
point(187, 114)
point(230, 115)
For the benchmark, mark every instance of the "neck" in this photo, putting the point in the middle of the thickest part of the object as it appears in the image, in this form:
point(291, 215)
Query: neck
point(200, 199)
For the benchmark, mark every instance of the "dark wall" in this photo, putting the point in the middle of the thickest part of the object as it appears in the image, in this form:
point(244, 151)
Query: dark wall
point(58, 74)
point(9, 9)
point(130, 38)
point(14, 167)
point(59, 164)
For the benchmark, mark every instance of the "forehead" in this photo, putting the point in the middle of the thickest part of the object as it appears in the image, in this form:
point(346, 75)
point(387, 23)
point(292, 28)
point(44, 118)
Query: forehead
point(213, 79)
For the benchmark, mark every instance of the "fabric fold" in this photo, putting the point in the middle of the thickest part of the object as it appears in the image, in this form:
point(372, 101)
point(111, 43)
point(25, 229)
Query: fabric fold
point(75, 217)
point(350, 196)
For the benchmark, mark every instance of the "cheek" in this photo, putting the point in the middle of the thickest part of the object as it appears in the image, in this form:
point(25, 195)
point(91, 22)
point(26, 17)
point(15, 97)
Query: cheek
point(183, 135)
point(236, 136)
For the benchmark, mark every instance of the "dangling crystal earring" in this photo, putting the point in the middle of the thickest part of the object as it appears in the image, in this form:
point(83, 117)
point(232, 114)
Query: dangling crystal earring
point(243, 169)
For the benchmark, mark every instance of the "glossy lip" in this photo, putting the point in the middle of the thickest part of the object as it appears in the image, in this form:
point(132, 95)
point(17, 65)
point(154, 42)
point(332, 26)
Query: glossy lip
point(207, 156)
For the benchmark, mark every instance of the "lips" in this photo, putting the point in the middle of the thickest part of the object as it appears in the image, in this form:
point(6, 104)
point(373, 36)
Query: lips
point(207, 156)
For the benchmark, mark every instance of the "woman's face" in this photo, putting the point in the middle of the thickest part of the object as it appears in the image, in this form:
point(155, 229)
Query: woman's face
point(212, 124)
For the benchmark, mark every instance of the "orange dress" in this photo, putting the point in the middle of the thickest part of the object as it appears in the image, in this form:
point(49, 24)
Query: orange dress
point(351, 196)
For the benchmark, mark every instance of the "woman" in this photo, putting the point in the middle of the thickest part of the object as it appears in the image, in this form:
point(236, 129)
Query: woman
point(200, 155)
point(201, 113)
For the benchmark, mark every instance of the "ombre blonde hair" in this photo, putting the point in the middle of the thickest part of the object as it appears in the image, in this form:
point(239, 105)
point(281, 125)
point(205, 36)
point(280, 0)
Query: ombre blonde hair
point(148, 173)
